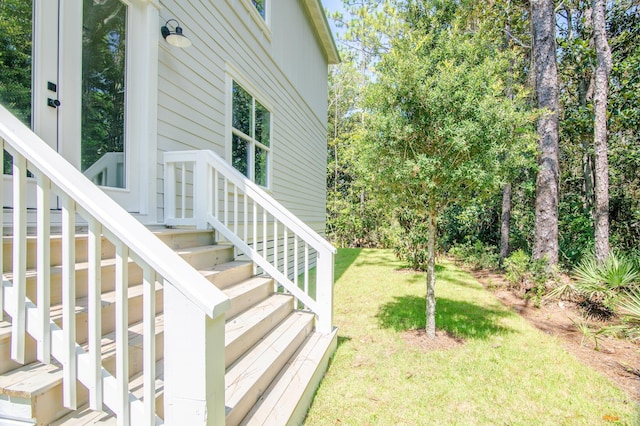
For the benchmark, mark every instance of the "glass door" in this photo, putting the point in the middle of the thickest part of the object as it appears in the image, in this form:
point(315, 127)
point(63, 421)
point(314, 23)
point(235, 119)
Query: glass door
point(64, 72)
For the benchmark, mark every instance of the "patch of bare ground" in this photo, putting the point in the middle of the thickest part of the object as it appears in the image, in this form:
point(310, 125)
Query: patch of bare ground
point(617, 359)
point(443, 341)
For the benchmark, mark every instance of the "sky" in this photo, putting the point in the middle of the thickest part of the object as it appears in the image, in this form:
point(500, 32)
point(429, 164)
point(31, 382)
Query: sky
point(333, 6)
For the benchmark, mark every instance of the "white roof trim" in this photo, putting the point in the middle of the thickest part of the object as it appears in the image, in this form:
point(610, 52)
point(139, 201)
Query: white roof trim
point(319, 19)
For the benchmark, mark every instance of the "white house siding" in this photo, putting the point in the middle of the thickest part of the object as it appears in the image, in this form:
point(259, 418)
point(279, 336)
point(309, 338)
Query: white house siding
point(287, 67)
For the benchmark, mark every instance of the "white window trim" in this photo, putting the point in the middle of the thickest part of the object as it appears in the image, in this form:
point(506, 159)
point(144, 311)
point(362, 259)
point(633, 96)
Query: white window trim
point(232, 74)
point(263, 23)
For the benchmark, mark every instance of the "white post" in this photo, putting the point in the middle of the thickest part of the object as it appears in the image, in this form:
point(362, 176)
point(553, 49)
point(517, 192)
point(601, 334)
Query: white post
point(324, 290)
point(193, 363)
point(201, 193)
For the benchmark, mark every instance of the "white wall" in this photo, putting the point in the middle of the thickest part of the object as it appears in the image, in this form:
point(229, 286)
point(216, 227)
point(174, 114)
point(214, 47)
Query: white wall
point(285, 64)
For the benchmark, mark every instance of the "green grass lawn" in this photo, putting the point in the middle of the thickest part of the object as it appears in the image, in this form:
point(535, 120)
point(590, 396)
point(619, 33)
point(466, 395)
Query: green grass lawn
point(507, 372)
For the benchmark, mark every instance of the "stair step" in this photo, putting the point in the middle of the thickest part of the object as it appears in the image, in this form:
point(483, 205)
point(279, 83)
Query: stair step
point(247, 293)
point(185, 238)
point(108, 250)
point(248, 378)
point(108, 302)
point(288, 398)
point(244, 330)
point(207, 256)
point(6, 363)
point(36, 389)
point(86, 416)
point(107, 279)
point(229, 273)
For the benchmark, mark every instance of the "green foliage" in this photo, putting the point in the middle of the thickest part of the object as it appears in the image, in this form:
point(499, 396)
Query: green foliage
point(476, 255)
point(527, 275)
point(601, 287)
point(629, 307)
point(411, 245)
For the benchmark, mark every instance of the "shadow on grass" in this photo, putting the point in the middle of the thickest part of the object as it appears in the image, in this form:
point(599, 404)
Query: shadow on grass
point(343, 260)
point(462, 319)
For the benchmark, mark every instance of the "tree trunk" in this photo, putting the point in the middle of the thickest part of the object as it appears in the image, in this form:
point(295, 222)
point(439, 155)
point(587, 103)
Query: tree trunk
point(431, 275)
point(600, 131)
point(545, 244)
point(505, 223)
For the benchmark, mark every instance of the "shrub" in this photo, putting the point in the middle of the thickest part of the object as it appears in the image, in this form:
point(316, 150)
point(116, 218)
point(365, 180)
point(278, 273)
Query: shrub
point(600, 288)
point(525, 274)
point(476, 255)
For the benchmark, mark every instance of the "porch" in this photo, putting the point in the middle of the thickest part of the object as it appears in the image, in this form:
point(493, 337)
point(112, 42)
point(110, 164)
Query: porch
point(226, 318)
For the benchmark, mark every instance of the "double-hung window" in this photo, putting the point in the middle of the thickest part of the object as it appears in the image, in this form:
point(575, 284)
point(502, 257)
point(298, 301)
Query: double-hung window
point(250, 136)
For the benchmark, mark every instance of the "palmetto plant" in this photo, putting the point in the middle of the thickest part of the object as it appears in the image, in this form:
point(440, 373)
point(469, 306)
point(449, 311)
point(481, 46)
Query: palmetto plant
point(603, 283)
point(629, 307)
point(601, 286)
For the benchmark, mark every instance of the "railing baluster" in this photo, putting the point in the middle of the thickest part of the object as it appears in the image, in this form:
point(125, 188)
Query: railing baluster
point(255, 233)
point(70, 360)
point(226, 202)
point(216, 194)
point(265, 249)
point(275, 243)
point(183, 192)
point(122, 334)
point(43, 267)
point(246, 216)
point(306, 268)
point(295, 259)
point(94, 283)
point(235, 209)
point(19, 320)
point(170, 191)
point(285, 237)
point(149, 343)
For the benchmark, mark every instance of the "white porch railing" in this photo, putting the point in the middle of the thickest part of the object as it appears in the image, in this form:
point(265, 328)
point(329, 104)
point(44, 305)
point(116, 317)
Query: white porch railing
point(202, 190)
point(193, 361)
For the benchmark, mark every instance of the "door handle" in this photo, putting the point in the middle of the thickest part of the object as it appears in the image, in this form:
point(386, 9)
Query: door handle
point(53, 103)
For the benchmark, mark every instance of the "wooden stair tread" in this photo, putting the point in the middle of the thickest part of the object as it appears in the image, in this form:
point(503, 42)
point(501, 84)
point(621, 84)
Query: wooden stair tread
point(248, 377)
point(280, 400)
point(228, 273)
point(29, 380)
point(5, 329)
point(36, 378)
point(243, 330)
point(107, 298)
point(247, 293)
point(86, 416)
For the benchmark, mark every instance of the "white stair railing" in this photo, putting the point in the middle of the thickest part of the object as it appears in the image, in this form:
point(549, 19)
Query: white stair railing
point(193, 308)
point(203, 190)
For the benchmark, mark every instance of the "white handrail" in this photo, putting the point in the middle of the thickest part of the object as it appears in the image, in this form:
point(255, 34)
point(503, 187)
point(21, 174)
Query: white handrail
point(112, 216)
point(195, 304)
point(200, 176)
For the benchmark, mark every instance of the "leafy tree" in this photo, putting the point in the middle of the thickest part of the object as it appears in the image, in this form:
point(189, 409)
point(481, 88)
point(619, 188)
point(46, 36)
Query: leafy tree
point(440, 121)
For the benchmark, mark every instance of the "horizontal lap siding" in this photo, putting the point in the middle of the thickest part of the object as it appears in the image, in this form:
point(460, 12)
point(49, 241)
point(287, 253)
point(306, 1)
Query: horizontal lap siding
point(289, 71)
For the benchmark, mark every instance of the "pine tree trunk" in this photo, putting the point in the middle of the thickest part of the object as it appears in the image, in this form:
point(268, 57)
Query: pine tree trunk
point(431, 275)
point(545, 243)
point(505, 223)
point(603, 69)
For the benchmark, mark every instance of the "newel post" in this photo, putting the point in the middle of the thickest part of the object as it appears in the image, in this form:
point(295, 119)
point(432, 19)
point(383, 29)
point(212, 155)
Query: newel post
point(201, 192)
point(193, 363)
point(324, 292)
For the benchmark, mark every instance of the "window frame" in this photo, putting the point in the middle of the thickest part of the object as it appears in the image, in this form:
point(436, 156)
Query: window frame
point(234, 77)
point(263, 22)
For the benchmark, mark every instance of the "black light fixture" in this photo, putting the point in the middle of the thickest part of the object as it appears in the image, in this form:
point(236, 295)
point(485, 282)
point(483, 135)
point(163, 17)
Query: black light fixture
point(175, 37)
